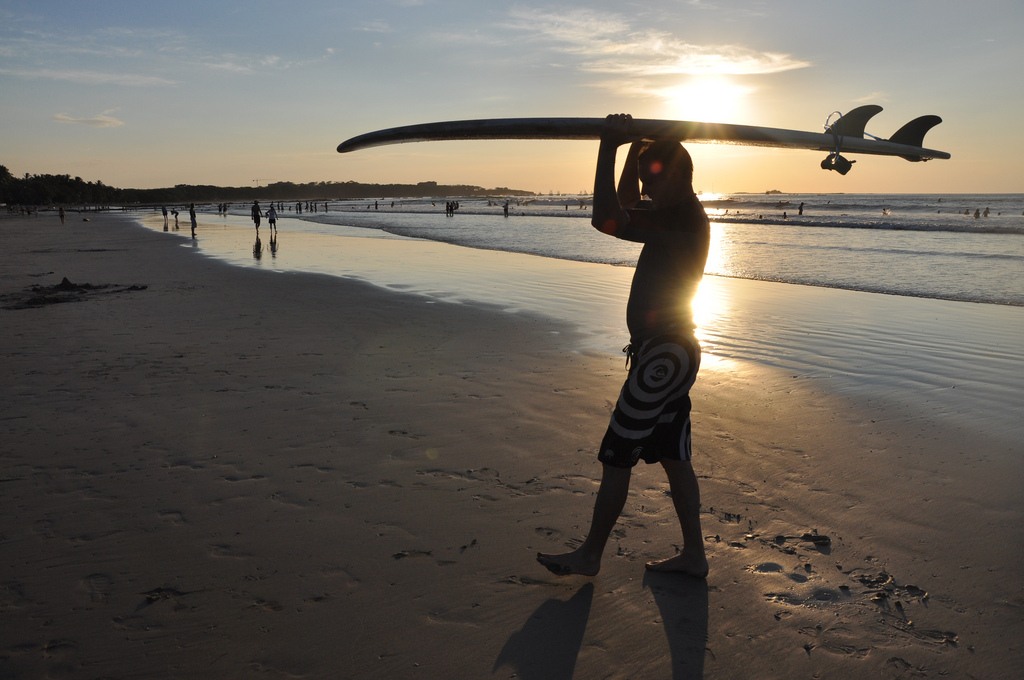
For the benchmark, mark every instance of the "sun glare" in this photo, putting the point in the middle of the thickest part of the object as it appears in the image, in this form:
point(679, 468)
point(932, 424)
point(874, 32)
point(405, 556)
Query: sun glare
point(707, 303)
point(714, 99)
point(711, 305)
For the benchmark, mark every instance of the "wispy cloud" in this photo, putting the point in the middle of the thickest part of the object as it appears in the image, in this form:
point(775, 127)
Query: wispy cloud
point(872, 98)
point(261, 63)
point(374, 27)
point(231, 63)
point(111, 44)
point(607, 43)
point(99, 58)
point(102, 120)
point(89, 77)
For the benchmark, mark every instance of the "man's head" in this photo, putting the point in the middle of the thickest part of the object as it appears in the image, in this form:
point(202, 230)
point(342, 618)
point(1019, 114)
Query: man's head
point(665, 165)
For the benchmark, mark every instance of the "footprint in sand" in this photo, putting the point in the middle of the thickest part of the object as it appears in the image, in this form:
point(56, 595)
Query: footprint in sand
point(313, 466)
point(225, 550)
point(172, 516)
point(61, 652)
point(98, 587)
point(403, 433)
point(12, 596)
point(835, 640)
point(164, 594)
point(267, 605)
point(766, 568)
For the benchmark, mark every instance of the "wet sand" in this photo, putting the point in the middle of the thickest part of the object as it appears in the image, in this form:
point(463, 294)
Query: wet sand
point(213, 471)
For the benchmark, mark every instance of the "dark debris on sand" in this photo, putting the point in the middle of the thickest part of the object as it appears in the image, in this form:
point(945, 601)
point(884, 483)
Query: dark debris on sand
point(65, 291)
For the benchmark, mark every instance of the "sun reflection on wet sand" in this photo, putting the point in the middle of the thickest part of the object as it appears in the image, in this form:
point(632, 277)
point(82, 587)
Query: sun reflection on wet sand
point(711, 305)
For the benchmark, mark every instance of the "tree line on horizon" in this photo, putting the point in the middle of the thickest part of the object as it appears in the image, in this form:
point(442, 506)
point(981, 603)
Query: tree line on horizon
point(42, 190)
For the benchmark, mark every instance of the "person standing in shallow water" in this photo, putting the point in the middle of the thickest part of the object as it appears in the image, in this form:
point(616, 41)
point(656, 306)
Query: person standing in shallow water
point(272, 218)
point(257, 215)
point(651, 420)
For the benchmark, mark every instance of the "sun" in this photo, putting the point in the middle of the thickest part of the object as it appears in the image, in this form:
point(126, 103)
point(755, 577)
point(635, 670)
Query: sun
point(714, 99)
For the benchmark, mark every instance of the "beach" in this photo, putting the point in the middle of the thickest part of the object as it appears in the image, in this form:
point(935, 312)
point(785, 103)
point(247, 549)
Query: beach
point(218, 471)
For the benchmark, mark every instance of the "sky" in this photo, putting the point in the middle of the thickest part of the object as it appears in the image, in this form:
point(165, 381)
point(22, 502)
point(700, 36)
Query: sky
point(145, 94)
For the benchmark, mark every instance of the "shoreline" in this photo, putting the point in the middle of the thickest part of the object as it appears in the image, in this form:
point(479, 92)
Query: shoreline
point(857, 341)
point(265, 471)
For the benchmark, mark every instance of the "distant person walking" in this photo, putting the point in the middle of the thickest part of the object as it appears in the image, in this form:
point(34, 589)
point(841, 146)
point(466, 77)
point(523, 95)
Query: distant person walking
point(192, 217)
point(61, 213)
point(272, 218)
point(257, 214)
point(164, 209)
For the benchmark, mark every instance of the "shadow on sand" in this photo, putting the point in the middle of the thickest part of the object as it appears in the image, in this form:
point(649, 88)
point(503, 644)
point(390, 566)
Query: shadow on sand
point(683, 603)
point(550, 640)
point(549, 643)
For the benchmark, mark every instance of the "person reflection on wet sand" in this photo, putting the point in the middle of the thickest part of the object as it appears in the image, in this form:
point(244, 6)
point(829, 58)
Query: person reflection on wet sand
point(273, 243)
point(257, 248)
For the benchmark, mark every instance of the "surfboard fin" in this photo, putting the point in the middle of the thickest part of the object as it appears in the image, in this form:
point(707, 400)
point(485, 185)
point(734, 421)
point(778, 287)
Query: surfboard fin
point(853, 122)
point(912, 134)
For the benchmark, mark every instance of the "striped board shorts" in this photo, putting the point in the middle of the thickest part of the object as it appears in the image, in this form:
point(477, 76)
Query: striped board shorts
point(651, 420)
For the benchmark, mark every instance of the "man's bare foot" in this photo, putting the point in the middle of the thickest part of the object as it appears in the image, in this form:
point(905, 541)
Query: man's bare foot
point(569, 564)
point(682, 563)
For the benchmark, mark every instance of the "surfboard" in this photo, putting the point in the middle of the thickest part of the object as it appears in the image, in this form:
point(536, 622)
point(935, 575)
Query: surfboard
point(845, 135)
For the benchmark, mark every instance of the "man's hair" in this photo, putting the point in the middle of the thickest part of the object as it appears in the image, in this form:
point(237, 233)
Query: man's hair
point(671, 154)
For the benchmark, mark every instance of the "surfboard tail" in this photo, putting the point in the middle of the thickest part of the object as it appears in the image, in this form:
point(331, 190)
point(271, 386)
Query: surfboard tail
point(852, 126)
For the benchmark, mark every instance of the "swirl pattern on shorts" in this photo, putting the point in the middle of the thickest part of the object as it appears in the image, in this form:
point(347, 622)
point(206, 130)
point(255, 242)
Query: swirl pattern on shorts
point(664, 373)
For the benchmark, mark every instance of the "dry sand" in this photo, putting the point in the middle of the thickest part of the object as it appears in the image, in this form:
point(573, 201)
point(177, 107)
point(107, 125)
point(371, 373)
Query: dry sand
point(217, 472)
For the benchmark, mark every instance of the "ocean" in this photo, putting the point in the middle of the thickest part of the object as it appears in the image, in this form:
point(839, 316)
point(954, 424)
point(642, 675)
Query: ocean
point(967, 247)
